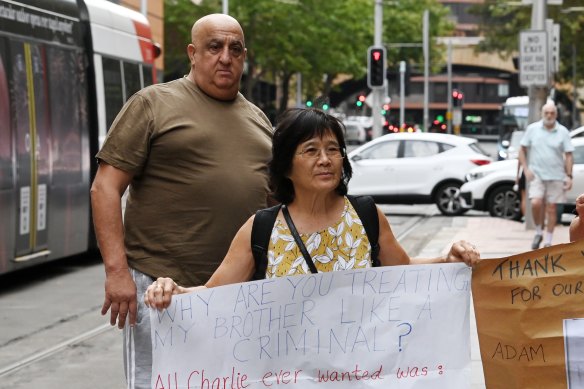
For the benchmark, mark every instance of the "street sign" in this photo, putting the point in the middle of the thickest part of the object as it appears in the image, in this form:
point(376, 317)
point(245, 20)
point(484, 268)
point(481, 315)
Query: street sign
point(553, 31)
point(533, 58)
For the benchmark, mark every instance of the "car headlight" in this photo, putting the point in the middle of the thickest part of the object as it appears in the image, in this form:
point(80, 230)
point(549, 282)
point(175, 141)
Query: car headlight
point(475, 176)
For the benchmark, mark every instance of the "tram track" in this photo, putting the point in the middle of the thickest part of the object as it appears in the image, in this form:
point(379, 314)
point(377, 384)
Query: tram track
point(48, 352)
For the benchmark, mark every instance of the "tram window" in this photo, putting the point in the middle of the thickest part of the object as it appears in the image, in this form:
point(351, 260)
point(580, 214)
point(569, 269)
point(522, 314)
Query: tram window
point(5, 130)
point(147, 75)
point(66, 124)
point(41, 124)
point(131, 78)
point(114, 98)
point(19, 106)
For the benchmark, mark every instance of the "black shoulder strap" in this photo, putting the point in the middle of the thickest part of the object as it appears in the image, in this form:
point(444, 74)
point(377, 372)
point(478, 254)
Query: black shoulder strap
point(261, 230)
point(367, 211)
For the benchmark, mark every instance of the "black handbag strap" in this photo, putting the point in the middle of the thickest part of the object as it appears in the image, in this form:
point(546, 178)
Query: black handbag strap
point(299, 242)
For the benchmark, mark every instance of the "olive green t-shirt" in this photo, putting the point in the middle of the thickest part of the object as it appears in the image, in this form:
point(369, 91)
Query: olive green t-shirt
point(199, 170)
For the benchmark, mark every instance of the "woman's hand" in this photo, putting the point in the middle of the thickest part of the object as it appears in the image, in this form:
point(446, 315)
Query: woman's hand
point(462, 251)
point(159, 293)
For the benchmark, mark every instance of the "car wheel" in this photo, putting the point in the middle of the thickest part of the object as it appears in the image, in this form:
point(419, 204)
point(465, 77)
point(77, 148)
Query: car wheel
point(447, 198)
point(504, 202)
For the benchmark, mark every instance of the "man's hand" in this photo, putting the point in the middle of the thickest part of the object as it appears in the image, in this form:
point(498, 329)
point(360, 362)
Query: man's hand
point(120, 297)
point(529, 176)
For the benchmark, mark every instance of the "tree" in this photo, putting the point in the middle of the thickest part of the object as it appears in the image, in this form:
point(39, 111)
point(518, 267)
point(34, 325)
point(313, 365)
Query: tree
point(501, 24)
point(319, 39)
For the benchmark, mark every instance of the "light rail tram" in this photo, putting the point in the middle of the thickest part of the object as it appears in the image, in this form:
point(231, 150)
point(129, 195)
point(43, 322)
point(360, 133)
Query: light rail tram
point(66, 69)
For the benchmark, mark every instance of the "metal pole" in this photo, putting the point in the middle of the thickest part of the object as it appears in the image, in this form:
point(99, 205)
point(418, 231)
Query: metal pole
point(226, 7)
point(575, 121)
point(298, 89)
point(449, 92)
point(402, 93)
point(426, 68)
point(537, 96)
point(377, 92)
point(144, 7)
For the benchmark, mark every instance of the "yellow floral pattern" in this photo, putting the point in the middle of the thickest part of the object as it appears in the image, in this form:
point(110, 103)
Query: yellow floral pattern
point(343, 246)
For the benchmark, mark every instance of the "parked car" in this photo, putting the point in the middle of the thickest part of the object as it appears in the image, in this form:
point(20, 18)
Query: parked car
point(577, 133)
point(490, 188)
point(355, 132)
point(509, 148)
point(415, 168)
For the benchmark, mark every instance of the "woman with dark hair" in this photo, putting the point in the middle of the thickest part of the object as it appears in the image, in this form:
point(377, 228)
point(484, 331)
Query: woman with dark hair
point(316, 228)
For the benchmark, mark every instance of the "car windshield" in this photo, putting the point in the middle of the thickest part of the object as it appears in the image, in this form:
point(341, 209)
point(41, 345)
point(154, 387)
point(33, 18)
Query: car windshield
point(477, 148)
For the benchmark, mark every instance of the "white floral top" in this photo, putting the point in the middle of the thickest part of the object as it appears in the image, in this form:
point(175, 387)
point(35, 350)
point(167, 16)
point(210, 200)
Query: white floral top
point(342, 246)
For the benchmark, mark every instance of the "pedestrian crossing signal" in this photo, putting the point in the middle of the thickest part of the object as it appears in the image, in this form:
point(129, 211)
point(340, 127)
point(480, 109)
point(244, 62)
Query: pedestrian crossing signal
point(376, 67)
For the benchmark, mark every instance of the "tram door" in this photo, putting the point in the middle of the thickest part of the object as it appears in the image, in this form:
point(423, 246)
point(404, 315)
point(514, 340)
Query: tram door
point(6, 175)
point(31, 136)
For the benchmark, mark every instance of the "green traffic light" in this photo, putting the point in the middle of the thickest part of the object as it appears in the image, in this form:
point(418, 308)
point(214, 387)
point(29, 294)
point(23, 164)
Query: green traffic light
point(383, 111)
point(359, 103)
point(440, 118)
point(325, 107)
point(309, 103)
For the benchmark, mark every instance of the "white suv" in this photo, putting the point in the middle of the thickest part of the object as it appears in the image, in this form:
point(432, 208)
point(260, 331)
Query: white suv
point(490, 187)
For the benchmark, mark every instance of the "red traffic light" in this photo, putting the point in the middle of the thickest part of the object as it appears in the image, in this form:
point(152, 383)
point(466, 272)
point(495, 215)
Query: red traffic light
point(361, 98)
point(375, 67)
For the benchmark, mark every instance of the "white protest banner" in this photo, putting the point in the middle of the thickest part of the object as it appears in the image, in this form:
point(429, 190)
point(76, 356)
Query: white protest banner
point(398, 327)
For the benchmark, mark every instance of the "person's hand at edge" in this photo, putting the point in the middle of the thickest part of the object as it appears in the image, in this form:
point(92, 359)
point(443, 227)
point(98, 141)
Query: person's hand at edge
point(120, 298)
point(463, 251)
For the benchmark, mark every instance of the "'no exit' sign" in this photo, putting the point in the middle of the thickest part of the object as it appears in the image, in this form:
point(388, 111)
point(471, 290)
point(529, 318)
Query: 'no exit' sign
point(533, 59)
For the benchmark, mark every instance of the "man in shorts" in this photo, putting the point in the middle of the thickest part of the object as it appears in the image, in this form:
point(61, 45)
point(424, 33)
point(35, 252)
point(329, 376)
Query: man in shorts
point(546, 155)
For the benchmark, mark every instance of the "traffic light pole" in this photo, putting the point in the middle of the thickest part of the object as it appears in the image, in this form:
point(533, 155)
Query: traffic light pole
point(426, 49)
point(449, 92)
point(402, 93)
point(378, 92)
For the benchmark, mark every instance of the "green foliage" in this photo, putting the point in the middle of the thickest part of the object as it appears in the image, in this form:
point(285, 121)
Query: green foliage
point(502, 21)
point(320, 39)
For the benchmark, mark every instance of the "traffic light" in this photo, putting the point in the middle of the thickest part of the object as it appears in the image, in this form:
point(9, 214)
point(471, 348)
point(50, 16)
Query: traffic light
point(360, 101)
point(308, 103)
point(457, 98)
point(376, 67)
point(385, 109)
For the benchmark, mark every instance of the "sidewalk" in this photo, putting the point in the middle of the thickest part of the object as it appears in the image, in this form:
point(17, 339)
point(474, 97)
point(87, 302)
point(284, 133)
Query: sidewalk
point(495, 238)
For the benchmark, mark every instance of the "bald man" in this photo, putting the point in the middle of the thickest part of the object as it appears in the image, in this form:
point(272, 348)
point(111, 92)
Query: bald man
point(193, 153)
point(546, 157)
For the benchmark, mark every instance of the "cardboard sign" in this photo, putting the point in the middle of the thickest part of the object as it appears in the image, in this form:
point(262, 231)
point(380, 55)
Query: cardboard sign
point(528, 310)
point(397, 326)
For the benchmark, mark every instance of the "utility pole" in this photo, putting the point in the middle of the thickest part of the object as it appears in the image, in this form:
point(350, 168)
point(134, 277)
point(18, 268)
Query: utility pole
point(402, 93)
point(298, 89)
point(449, 92)
point(537, 94)
point(378, 92)
point(426, 43)
point(575, 121)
